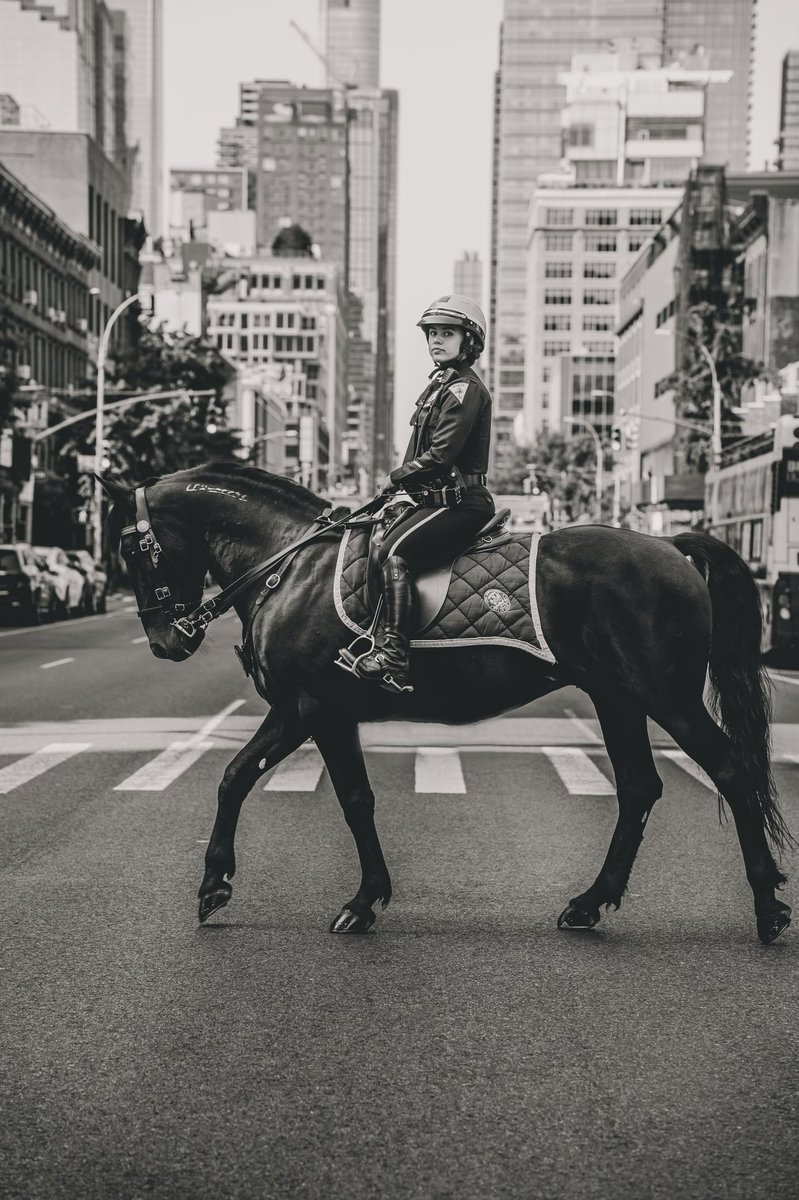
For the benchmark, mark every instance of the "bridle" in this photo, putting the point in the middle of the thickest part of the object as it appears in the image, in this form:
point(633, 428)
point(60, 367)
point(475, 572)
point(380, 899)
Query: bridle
point(140, 539)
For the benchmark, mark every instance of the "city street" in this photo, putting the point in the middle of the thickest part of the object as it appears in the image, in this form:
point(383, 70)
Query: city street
point(464, 1048)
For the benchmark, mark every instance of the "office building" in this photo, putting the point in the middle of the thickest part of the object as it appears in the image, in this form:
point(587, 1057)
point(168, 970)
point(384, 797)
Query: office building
point(144, 103)
point(352, 42)
point(69, 172)
point(467, 277)
point(57, 63)
point(301, 169)
point(788, 159)
point(197, 194)
point(537, 42)
point(765, 238)
point(631, 136)
point(718, 34)
point(46, 269)
point(291, 311)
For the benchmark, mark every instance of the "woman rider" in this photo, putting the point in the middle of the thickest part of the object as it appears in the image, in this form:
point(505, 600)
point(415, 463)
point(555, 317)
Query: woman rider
point(444, 470)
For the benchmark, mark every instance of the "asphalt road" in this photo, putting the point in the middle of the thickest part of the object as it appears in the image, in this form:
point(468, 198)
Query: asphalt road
point(465, 1048)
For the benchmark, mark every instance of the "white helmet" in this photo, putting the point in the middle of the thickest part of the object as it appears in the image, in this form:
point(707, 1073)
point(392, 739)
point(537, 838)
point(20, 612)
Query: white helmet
point(459, 311)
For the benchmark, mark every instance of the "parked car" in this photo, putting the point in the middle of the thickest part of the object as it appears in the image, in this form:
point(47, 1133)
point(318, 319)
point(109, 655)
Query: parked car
point(96, 579)
point(69, 583)
point(26, 591)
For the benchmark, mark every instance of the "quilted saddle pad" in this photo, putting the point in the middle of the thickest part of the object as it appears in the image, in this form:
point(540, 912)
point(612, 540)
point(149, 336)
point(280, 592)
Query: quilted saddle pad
point(490, 600)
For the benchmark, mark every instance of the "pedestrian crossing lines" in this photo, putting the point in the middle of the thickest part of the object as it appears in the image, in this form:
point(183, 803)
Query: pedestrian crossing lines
point(437, 770)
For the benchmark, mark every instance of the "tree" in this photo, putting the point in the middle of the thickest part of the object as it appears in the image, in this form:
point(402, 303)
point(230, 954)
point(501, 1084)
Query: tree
point(11, 341)
point(720, 331)
point(170, 435)
point(565, 468)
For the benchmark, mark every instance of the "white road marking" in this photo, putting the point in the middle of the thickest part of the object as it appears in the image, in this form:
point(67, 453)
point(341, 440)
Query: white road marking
point(690, 767)
point(57, 662)
point(25, 769)
point(299, 773)
point(438, 769)
point(138, 641)
point(579, 775)
point(59, 625)
point(582, 726)
point(165, 768)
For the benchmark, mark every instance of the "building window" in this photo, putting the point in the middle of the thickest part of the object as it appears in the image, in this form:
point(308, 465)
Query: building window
point(559, 216)
point(599, 347)
point(645, 216)
point(557, 241)
point(601, 216)
point(599, 270)
point(581, 135)
point(599, 296)
point(599, 243)
point(558, 270)
point(553, 349)
point(557, 296)
point(560, 321)
point(597, 322)
point(636, 240)
point(666, 313)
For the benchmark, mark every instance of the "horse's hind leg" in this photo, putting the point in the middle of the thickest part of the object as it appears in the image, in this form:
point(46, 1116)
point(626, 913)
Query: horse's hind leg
point(638, 786)
point(695, 731)
point(277, 737)
point(340, 747)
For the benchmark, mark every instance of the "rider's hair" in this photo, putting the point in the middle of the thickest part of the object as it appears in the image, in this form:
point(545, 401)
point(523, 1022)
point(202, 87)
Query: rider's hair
point(470, 349)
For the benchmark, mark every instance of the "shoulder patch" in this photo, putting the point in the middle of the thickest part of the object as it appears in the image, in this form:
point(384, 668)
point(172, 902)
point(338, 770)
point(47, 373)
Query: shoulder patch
point(459, 389)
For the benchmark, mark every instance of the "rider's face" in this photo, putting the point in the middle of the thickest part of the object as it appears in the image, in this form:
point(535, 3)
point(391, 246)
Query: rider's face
point(444, 342)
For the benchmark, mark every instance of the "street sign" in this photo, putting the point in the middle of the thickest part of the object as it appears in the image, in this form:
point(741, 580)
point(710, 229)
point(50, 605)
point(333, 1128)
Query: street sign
point(85, 463)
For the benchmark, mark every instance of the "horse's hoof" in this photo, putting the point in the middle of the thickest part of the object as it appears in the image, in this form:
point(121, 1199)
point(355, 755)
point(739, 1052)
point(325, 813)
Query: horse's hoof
point(349, 921)
point(213, 902)
point(574, 917)
point(772, 924)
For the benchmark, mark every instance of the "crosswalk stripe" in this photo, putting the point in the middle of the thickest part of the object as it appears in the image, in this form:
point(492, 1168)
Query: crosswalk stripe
point(25, 769)
point(438, 769)
point(577, 772)
point(299, 773)
point(165, 768)
point(690, 767)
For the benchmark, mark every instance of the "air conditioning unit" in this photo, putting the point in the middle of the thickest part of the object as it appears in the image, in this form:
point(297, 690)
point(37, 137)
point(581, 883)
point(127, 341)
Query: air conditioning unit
point(52, 315)
point(23, 372)
point(31, 298)
point(61, 316)
point(83, 325)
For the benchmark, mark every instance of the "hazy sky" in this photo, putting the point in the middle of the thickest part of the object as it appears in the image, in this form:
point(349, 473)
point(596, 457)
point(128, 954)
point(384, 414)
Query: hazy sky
point(441, 56)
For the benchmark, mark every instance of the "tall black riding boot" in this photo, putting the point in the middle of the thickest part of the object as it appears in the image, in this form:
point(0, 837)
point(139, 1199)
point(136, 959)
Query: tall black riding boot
point(389, 664)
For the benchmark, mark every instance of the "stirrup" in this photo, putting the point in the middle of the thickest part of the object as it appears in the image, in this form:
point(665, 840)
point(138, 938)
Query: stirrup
point(349, 657)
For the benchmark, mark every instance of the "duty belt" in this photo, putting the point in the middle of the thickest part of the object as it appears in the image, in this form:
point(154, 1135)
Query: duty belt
point(474, 480)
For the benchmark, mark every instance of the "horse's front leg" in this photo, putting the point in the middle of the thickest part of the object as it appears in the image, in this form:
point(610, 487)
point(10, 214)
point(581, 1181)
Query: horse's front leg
point(277, 737)
point(340, 747)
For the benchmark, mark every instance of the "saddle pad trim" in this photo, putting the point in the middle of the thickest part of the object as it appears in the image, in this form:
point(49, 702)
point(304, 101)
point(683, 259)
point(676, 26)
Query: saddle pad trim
point(337, 598)
point(534, 613)
point(467, 643)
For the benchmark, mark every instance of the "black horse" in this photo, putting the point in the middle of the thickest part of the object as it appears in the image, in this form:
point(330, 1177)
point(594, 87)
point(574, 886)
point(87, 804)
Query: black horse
point(630, 619)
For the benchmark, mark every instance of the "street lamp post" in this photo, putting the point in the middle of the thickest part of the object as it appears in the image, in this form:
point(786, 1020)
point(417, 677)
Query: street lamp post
point(715, 432)
point(599, 455)
point(98, 424)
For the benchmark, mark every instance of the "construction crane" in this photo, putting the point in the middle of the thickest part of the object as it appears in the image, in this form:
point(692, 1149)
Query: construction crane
point(344, 87)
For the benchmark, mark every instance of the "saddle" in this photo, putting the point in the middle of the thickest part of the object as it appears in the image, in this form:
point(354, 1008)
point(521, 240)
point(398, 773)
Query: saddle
point(486, 595)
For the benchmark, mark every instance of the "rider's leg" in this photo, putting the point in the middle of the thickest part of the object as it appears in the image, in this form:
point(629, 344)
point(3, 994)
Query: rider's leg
point(392, 657)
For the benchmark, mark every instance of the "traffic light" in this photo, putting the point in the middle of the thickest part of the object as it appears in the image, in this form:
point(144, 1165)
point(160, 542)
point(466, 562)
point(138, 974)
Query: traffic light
point(615, 439)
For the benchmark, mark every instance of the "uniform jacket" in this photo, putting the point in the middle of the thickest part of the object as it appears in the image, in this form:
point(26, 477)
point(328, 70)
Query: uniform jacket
point(451, 428)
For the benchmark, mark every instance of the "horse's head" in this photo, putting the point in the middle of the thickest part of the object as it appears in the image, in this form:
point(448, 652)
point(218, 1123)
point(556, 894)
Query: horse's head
point(166, 562)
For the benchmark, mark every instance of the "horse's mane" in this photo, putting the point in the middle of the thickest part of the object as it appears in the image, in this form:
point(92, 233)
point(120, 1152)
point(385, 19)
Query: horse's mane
point(269, 484)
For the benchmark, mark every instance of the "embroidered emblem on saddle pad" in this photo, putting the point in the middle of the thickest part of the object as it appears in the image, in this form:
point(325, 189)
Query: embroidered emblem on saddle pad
point(486, 597)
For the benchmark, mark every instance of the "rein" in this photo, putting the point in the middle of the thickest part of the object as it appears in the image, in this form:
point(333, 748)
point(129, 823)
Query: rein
point(143, 534)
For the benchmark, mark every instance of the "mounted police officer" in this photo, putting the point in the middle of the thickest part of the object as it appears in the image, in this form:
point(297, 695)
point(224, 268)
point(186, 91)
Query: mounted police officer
point(444, 471)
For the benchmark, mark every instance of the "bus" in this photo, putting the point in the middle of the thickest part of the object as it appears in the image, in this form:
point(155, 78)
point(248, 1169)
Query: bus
point(752, 503)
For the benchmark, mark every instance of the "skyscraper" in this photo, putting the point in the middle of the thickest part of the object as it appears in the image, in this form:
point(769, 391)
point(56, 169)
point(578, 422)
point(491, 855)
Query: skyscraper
point(467, 276)
point(718, 34)
point(144, 93)
point(537, 41)
point(352, 42)
point(788, 159)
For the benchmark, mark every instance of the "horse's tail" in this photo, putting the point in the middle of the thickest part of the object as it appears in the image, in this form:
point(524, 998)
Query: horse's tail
point(740, 686)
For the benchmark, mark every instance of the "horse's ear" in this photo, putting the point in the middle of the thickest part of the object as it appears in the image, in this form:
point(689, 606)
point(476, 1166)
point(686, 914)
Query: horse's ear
point(116, 492)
